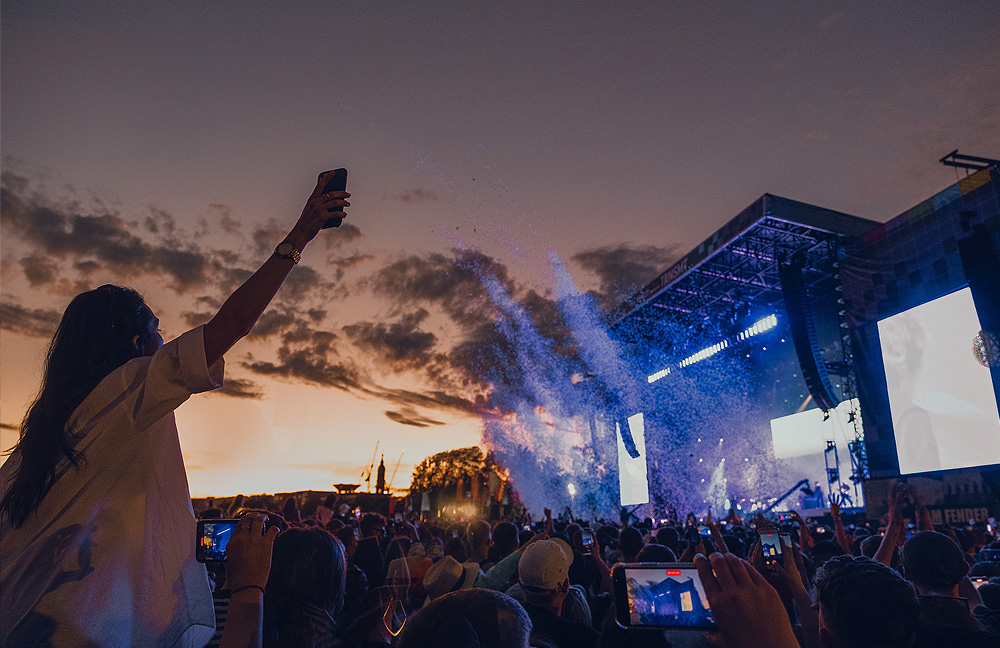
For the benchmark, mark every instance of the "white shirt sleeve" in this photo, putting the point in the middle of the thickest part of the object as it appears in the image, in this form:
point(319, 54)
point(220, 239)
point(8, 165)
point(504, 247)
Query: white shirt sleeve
point(147, 389)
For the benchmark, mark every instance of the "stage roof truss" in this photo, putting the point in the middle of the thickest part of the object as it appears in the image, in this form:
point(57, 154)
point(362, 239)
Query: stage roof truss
point(734, 273)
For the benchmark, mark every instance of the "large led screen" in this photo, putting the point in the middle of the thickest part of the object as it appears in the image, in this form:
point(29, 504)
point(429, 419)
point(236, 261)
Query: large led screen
point(944, 411)
point(632, 476)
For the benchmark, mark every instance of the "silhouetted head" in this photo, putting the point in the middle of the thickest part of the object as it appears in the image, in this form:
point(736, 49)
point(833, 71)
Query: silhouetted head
point(100, 330)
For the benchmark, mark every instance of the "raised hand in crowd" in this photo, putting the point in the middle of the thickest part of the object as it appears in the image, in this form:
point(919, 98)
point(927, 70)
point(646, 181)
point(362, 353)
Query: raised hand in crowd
point(805, 537)
point(846, 542)
point(924, 520)
point(717, 540)
point(747, 610)
point(792, 572)
point(249, 553)
point(894, 532)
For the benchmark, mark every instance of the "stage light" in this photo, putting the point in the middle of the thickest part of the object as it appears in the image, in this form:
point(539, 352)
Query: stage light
point(707, 352)
point(572, 489)
point(760, 326)
point(663, 373)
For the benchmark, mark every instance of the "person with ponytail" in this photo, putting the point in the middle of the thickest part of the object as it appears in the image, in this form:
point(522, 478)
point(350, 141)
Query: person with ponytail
point(96, 526)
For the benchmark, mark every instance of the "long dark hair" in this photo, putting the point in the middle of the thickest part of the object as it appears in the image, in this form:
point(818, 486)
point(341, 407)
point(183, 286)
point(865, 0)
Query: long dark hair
point(94, 337)
point(308, 568)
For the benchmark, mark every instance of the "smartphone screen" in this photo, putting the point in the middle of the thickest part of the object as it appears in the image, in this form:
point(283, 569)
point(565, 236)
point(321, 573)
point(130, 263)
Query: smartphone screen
point(212, 538)
point(660, 595)
point(771, 548)
point(978, 581)
point(587, 540)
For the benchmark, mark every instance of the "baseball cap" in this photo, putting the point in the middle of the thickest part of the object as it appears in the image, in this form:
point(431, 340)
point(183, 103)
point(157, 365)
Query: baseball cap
point(543, 566)
point(933, 560)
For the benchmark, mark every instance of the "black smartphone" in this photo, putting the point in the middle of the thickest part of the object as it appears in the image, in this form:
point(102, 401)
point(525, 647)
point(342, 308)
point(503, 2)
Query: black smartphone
point(336, 182)
point(771, 548)
point(660, 595)
point(212, 538)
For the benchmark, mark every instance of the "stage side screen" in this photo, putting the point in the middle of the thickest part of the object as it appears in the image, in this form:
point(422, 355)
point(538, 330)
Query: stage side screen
point(632, 477)
point(943, 407)
point(805, 433)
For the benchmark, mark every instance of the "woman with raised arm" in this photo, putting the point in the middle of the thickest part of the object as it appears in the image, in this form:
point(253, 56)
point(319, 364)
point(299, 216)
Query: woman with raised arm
point(96, 526)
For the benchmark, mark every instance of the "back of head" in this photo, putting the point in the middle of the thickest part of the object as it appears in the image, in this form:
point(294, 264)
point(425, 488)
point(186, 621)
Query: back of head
point(371, 523)
point(630, 541)
point(468, 618)
point(505, 538)
point(869, 546)
point(307, 564)
point(100, 330)
point(864, 604)
point(479, 533)
point(990, 594)
point(825, 550)
point(933, 562)
point(655, 552)
point(543, 570)
point(668, 537)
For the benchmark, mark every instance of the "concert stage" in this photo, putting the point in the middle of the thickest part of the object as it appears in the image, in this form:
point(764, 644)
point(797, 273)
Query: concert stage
point(793, 329)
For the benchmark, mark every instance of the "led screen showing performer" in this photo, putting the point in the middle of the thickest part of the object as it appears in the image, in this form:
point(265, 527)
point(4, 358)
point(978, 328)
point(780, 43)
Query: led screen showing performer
point(944, 410)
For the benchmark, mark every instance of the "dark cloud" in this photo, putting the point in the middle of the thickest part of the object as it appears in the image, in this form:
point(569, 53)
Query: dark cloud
point(222, 215)
point(240, 388)
point(87, 267)
point(267, 238)
point(346, 233)
point(452, 283)
point(342, 265)
point(417, 196)
point(412, 418)
point(310, 368)
point(621, 270)
point(35, 322)
point(39, 269)
point(100, 237)
point(400, 344)
point(196, 318)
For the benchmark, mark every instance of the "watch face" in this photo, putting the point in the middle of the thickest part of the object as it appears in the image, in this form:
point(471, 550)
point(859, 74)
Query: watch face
point(285, 249)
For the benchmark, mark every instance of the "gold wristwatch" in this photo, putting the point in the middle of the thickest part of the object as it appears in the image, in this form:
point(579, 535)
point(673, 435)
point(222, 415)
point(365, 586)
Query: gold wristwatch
point(286, 250)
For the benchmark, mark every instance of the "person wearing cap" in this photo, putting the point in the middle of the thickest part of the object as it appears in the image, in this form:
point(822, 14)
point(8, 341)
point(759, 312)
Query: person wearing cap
point(543, 573)
point(937, 568)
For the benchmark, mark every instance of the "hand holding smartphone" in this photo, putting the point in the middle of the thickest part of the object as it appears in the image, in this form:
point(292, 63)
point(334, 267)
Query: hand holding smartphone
point(770, 546)
point(660, 595)
point(336, 182)
point(212, 536)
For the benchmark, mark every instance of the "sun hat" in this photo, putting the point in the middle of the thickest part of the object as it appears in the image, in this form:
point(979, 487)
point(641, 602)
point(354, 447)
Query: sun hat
point(449, 575)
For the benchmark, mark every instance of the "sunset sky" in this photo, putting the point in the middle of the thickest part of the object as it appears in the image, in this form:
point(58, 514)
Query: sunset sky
point(169, 146)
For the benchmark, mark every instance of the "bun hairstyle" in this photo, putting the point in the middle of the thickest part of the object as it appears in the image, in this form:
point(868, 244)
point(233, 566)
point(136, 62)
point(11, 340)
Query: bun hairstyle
point(94, 337)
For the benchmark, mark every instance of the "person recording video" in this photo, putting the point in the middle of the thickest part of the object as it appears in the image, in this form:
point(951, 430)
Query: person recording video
point(96, 524)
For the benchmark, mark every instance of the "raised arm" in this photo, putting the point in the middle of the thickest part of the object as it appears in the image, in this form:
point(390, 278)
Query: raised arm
point(894, 528)
point(241, 311)
point(840, 532)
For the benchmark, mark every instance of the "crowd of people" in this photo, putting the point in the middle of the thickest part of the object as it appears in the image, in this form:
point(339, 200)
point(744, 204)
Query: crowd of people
point(97, 549)
point(336, 580)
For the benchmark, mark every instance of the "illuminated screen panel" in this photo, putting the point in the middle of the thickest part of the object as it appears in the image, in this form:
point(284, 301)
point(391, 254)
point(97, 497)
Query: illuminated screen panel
point(802, 434)
point(944, 411)
point(632, 478)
